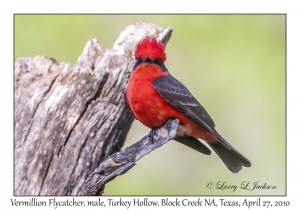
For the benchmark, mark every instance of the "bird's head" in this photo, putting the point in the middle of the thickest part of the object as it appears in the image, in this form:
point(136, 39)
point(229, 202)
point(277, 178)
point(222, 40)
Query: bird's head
point(150, 50)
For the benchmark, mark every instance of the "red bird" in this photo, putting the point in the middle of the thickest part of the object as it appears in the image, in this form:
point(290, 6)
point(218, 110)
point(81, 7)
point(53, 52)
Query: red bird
point(155, 96)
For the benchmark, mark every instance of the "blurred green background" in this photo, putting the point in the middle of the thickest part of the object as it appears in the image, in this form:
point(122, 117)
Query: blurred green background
point(233, 64)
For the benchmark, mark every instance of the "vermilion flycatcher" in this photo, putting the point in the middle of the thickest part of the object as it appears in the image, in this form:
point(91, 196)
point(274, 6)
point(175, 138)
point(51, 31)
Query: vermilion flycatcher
point(155, 96)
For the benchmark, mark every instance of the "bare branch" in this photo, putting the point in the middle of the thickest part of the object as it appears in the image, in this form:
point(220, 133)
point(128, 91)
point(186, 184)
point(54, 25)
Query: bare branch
point(120, 162)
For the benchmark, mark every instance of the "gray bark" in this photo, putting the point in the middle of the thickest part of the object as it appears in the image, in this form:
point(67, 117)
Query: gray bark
point(68, 120)
point(120, 162)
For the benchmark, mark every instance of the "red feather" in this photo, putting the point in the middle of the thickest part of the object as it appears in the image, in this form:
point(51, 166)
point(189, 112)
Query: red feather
point(150, 47)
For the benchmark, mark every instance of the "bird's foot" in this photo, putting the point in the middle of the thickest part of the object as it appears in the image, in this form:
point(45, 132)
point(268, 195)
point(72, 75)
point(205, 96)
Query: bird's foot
point(168, 125)
point(152, 135)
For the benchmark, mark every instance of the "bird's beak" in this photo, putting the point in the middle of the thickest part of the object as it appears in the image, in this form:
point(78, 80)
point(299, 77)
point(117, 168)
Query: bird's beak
point(147, 59)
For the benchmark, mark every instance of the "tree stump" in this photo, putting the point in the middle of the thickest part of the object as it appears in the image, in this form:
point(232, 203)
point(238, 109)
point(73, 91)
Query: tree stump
point(68, 120)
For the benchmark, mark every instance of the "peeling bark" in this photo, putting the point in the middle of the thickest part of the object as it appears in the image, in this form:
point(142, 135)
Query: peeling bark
point(68, 120)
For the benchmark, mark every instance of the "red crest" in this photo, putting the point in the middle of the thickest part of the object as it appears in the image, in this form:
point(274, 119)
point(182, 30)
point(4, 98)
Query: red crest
point(150, 47)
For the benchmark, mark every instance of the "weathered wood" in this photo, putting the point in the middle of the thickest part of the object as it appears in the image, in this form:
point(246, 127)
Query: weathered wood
point(120, 162)
point(68, 120)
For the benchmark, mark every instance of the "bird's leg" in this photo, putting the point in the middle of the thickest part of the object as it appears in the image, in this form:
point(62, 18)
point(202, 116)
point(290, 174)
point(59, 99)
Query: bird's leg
point(168, 125)
point(152, 134)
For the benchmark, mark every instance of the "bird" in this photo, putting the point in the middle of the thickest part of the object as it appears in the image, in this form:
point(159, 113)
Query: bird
point(154, 96)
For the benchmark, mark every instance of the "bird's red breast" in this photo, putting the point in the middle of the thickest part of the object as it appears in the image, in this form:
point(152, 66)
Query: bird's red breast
point(151, 109)
point(154, 96)
point(145, 102)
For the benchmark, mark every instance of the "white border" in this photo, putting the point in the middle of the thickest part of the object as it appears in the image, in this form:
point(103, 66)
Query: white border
point(154, 6)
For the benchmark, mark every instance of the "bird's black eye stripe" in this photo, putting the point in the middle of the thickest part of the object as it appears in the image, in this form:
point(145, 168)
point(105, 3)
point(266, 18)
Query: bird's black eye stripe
point(160, 64)
point(138, 62)
point(156, 61)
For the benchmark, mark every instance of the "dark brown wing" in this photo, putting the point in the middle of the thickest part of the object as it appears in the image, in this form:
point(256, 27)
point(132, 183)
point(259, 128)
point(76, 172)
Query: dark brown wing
point(179, 96)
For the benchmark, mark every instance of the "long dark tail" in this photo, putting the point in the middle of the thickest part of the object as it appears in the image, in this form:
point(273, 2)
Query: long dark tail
point(230, 156)
point(193, 143)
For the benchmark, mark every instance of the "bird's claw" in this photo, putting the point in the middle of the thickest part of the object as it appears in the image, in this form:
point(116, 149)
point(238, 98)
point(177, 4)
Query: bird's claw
point(169, 125)
point(152, 134)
